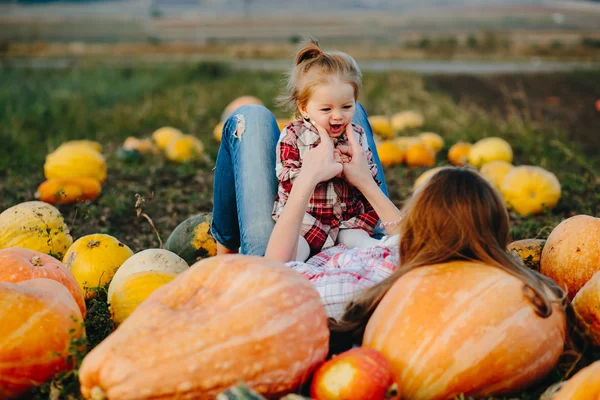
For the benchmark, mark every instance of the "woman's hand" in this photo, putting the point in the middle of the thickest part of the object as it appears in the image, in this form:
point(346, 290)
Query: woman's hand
point(321, 163)
point(356, 171)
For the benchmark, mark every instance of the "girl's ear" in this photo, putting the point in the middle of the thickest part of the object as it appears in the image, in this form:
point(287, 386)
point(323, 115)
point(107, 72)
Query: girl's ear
point(302, 109)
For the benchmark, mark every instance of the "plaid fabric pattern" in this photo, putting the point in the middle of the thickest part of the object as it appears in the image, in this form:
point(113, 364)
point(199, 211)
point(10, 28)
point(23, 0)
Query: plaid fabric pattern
point(335, 204)
point(339, 274)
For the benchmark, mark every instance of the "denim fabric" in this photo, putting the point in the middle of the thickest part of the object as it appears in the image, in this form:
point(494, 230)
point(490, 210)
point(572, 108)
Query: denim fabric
point(245, 183)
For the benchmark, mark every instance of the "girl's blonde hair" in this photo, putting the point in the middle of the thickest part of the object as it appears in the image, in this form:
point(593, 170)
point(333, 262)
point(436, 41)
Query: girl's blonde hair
point(455, 215)
point(313, 66)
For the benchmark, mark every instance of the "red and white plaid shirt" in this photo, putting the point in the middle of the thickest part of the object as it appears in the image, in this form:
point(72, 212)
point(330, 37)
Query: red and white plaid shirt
point(335, 204)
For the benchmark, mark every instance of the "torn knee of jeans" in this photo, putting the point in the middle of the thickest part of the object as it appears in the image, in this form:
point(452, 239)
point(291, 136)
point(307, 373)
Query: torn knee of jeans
point(240, 126)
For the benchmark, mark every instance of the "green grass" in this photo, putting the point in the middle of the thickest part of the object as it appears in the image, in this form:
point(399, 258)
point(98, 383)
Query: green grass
point(39, 109)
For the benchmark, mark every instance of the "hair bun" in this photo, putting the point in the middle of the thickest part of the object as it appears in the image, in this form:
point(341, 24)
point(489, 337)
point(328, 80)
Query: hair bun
point(308, 50)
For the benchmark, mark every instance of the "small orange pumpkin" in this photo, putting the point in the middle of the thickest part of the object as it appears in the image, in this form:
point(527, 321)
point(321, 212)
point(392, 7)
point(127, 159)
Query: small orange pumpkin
point(463, 327)
point(584, 385)
point(459, 153)
point(68, 190)
point(358, 374)
point(586, 306)
point(224, 320)
point(18, 265)
point(39, 320)
point(419, 155)
point(571, 255)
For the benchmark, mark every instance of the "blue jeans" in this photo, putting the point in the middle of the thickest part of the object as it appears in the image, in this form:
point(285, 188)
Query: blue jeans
point(245, 184)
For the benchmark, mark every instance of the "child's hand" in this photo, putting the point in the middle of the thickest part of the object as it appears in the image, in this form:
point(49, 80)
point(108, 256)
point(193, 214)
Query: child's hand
point(319, 163)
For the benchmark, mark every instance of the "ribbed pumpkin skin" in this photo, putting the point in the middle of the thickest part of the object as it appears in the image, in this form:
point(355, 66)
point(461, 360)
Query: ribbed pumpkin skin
point(226, 319)
point(571, 255)
point(94, 259)
point(35, 225)
point(463, 327)
point(159, 260)
point(36, 316)
point(584, 385)
point(133, 290)
point(586, 305)
point(75, 161)
point(18, 265)
point(529, 190)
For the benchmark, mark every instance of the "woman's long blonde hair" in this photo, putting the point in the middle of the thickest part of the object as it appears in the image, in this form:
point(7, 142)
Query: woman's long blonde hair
point(312, 67)
point(455, 215)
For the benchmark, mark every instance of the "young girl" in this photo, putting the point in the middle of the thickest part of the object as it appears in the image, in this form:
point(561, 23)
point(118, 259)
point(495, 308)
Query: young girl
point(322, 90)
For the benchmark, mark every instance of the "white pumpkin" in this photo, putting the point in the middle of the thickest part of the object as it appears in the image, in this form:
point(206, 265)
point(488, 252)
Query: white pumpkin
point(159, 260)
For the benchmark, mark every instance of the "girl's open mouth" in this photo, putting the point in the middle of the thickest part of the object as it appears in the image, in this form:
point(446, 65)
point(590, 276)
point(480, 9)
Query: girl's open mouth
point(336, 129)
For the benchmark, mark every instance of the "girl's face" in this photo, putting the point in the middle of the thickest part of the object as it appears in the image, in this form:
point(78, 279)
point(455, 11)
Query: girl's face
point(331, 105)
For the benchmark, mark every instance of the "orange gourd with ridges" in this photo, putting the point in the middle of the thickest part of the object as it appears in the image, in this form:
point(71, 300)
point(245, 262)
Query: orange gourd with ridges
point(226, 319)
point(39, 320)
point(463, 327)
point(18, 265)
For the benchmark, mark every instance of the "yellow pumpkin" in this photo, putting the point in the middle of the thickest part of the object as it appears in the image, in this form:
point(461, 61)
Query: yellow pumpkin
point(75, 162)
point(237, 103)
point(134, 289)
point(586, 305)
point(424, 176)
point(144, 146)
point(184, 148)
point(529, 251)
point(432, 140)
point(419, 155)
point(68, 190)
point(459, 153)
point(406, 120)
point(35, 225)
point(163, 136)
point(584, 385)
point(404, 142)
point(94, 259)
point(226, 319)
point(380, 125)
point(529, 190)
point(158, 260)
point(571, 255)
point(389, 153)
point(218, 131)
point(463, 327)
point(96, 146)
point(495, 171)
point(490, 149)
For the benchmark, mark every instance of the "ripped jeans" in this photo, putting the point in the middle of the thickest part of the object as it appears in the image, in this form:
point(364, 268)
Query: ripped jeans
point(245, 183)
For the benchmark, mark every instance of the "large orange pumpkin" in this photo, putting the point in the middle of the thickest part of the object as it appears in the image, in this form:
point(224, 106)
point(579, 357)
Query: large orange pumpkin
point(226, 319)
point(39, 320)
point(572, 252)
point(584, 385)
point(586, 306)
point(18, 265)
point(463, 327)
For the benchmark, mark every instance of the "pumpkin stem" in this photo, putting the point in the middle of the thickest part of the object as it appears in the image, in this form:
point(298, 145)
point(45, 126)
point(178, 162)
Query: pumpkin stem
point(93, 243)
point(97, 393)
point(392, 392)
point(37, 261)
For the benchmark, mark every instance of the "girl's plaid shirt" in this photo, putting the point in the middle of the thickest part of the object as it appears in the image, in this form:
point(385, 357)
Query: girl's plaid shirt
point(335, 204)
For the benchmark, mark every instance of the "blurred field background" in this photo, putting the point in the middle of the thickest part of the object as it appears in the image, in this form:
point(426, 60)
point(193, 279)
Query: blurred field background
point(526, 71)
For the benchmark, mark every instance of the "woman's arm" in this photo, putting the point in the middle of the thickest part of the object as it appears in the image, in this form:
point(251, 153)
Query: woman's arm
point(359, 175)
point(318, 165)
